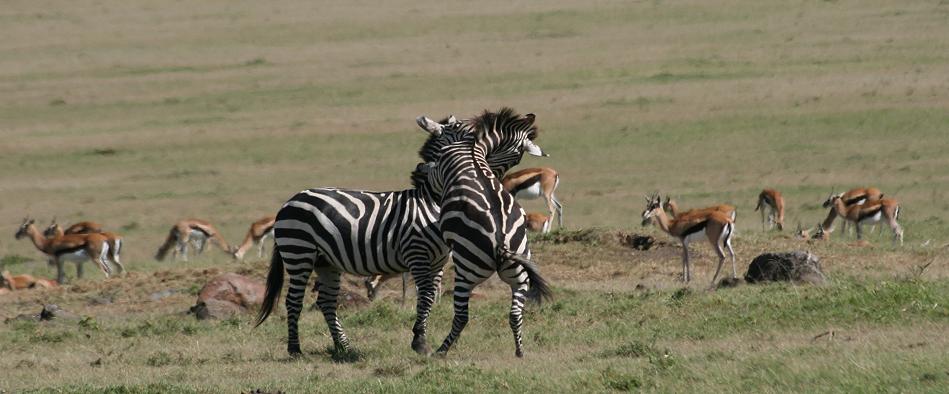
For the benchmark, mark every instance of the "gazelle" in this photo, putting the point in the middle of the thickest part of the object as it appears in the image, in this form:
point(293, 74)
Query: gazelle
point(774, 202)
point(856, 196)
point(72, 247)
point(195, 231)
point(85, 227)
point(114, 240)
point(693, 225)
point(258, 232)
point(871, 211)
point(673, 208)
point(538, 222)
point(531, 183)
point(805, 234)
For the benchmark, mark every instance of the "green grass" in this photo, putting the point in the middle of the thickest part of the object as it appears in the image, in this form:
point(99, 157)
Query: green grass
point(135, 115)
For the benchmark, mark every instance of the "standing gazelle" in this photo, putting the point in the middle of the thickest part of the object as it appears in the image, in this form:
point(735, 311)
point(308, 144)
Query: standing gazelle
point(855, 196)
point(774, 202)
point(73, 247)
point(871, 211)
point(114, 240)
point(693, 225)
point(531, 183)
point(191, 231)
point(673, 208)
point(258, 232)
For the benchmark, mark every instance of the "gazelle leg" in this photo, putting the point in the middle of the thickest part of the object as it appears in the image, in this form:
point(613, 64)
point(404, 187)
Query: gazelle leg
point(859, 231)
point(763, 219)
point(721, 260)
point(60, 272)
point(685, 261)
point(559, 211)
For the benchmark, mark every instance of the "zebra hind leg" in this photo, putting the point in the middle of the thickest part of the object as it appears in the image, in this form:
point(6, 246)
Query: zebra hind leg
point(327, 288)
point(515, 276)
point(299, 278)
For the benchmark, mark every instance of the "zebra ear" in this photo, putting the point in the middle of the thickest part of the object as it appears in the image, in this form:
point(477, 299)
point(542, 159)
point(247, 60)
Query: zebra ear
point(452, 119)
point(530, 118)
point(533, 150)
point(429, 125)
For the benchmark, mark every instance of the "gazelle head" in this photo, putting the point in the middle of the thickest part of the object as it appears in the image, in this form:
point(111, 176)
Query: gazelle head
point(829, 202)
point(51, 229)
point(821, 234)
point(24, 229)
point(653, 207)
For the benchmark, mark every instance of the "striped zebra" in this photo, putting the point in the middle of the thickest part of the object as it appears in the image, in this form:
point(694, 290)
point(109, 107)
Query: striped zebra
point(481, 222)
point(332, 231)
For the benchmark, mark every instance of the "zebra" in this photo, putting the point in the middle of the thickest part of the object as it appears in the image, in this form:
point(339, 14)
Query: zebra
point(481, 222)
point(331, 231)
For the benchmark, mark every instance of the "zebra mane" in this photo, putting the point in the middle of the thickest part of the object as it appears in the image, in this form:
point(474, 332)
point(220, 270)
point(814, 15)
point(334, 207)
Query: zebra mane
point(506, 119)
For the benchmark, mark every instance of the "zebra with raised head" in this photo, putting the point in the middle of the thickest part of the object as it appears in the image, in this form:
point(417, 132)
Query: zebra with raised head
point(332, 231)
point(481, 222)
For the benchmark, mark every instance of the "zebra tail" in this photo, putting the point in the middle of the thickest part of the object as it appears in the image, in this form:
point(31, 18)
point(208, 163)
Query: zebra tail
point(274, 286)
point(169, 243)
point(539, 288)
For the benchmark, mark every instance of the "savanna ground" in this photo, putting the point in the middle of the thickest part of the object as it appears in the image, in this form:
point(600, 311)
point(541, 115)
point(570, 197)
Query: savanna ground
point(139, 113)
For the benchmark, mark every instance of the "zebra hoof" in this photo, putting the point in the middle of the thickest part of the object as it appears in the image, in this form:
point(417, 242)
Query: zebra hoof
point(519, 353)
point(420, 346)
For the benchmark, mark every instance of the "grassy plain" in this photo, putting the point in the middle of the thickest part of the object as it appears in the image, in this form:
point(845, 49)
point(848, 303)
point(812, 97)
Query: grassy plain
point(139, 113)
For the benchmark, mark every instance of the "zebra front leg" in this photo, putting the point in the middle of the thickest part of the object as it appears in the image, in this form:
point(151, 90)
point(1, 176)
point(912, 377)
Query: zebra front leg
point(424, 281)
point(517, 279)
point(463, 288)
point(327, 288)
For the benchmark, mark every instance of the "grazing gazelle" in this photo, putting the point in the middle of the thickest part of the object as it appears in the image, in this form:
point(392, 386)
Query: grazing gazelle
point(774, 202)
point(538, 222)
point(871, 211)
point(709, 224)
point(531, 183)
point(855, 196)
point(258, 232)
point(673, 208)
point(73, 247)
point(191, 231)
point(114, 240)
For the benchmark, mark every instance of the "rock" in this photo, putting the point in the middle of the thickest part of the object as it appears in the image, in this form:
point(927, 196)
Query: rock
point(796, 266)
point(161, 294)
point(228, 294)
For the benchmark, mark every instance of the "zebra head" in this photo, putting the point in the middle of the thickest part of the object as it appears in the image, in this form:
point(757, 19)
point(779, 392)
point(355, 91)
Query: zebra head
point(441, 134)
point(503, 137)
